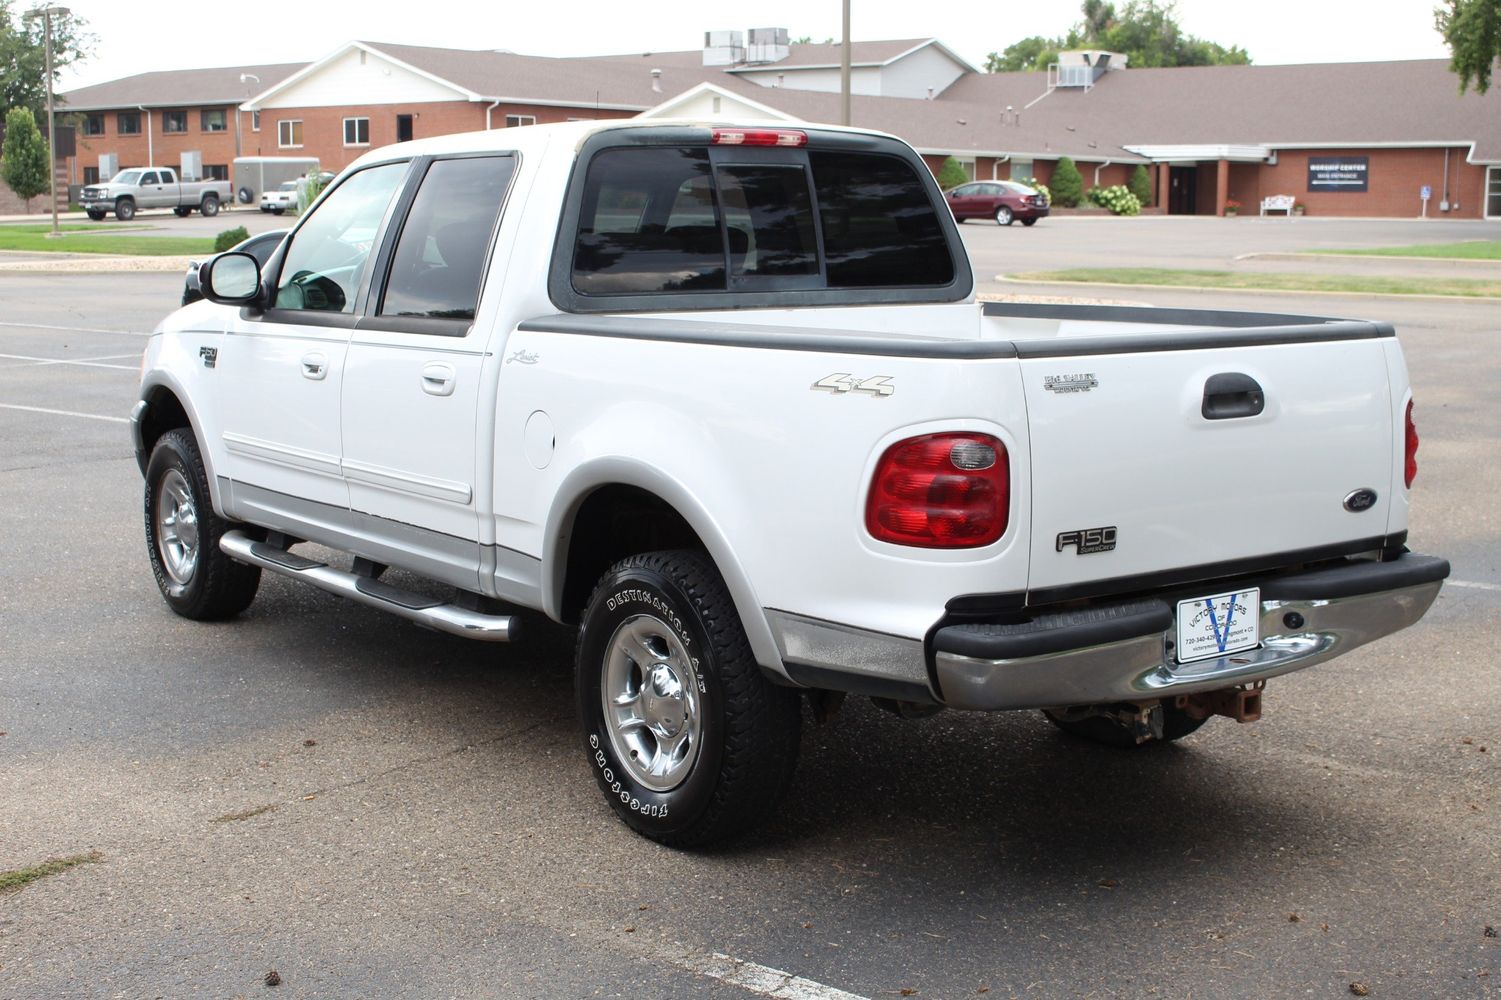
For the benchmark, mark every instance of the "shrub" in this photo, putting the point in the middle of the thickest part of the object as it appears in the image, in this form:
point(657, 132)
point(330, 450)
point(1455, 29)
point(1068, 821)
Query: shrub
point(1068, 186)
point(308, 190)
point(1040, 188)
point(230, 238)
point(951, 174)
point(1117, 199)
point(1140, 184)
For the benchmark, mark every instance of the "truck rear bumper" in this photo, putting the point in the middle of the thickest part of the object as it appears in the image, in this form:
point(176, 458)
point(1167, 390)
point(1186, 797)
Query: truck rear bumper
point(1120, 653)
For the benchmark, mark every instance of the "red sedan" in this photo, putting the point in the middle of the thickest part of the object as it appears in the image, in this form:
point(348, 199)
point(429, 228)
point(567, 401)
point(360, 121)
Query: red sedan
point(1003, 201)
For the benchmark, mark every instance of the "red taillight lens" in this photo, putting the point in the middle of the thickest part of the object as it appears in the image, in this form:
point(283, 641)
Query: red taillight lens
point(941, 491)
point(1411, 472)
point(759, 137)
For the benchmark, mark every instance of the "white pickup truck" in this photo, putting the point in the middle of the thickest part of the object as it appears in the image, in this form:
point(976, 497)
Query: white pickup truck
point(131, 190)
point(724, 398)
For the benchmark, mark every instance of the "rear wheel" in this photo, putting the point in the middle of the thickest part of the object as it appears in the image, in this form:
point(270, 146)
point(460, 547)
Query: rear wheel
point(182, 536)
point(125, 210)
point(688, 739)
point(210, 205)
point(1004, 216)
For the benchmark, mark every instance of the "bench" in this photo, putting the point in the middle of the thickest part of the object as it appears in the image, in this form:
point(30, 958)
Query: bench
point(1278, 203)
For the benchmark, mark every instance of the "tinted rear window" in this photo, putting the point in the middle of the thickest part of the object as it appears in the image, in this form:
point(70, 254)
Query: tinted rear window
point(675, 219)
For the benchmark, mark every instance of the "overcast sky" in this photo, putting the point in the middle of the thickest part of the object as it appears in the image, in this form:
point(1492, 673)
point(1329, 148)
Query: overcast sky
point(131, 40)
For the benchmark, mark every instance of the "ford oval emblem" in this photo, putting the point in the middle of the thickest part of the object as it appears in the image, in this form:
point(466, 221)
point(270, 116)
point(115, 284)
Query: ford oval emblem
point(1362, 499)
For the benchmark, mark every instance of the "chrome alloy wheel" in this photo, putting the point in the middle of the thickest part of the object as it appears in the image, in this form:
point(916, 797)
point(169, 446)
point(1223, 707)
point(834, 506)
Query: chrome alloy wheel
point(652, 704)
point(177, 528)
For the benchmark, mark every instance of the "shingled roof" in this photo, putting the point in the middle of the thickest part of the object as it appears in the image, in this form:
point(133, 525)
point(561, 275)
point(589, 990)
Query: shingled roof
point(178, 88)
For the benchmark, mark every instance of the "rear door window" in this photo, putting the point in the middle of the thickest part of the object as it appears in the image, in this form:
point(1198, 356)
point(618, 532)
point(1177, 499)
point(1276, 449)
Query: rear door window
point(445, 242)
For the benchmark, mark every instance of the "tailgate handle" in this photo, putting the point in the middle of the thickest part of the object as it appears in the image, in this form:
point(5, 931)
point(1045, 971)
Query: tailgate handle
point(1232, 394)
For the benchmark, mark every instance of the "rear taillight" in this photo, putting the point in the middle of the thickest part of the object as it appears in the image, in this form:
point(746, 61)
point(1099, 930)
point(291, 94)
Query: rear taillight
point(1411, 471)
point(941, 491)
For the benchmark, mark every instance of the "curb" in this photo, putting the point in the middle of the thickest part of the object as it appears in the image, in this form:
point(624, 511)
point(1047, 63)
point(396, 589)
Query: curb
point(1299, 256)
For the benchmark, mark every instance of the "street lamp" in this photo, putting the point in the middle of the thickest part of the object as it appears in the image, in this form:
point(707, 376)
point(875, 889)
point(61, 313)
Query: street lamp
point(244, 79)
point(47, 14)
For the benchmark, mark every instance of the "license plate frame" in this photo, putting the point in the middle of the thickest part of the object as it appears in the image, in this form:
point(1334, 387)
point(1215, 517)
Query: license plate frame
point(1217, 625)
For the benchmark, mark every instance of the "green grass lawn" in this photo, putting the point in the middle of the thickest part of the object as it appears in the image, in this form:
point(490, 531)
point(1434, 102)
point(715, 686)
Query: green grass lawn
point(67, 227)
point(1270, 282)
point(88, 239)
point(1467, 250)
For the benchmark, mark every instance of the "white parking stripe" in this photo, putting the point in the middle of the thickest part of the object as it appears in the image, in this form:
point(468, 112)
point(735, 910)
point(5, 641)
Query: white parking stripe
point(39, 362)
point(1475, 585)
point(63, 413)
point(761, 980)
point(74, 329)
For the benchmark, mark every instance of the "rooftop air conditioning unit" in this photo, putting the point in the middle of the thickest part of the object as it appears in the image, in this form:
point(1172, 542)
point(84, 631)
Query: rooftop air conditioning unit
point(767, 45)
point(724, 48)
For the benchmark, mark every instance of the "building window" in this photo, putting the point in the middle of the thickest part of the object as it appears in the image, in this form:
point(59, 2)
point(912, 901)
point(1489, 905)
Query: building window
point(91, 175)
point(93, 125)
point(289, 133)
point(174, 122)
point(514, 121)
point(212, 120)
point(216, 172)
point(255, 121)
point(1022, 170)
point(356, 131)
point(128, 123)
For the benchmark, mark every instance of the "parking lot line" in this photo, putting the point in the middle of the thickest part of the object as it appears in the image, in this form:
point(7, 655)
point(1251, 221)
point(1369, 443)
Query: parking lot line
point(75, 329)
point(64, 413)
point(1475, 585)
point(759, 979)
point(85, 362)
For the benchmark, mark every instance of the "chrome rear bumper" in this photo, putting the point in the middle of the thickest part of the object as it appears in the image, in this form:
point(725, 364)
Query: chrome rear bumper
point(1298, 630)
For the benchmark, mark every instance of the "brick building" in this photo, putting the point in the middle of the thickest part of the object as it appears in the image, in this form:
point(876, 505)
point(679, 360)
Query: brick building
point(1350, 139)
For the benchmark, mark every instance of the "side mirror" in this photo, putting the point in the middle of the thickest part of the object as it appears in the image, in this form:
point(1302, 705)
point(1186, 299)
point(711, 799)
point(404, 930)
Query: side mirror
point(231, 279)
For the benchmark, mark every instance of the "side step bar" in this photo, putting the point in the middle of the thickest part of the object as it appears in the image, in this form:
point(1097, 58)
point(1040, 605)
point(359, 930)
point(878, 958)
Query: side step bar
point(414, 607)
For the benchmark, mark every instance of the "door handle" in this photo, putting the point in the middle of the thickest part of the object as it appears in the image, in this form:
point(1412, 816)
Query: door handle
point(314, 366)
point(1229, 395)
point(438, 379)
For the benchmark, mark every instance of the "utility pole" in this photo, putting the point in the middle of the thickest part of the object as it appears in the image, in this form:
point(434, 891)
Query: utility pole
point(844, 70)
point(47, 14)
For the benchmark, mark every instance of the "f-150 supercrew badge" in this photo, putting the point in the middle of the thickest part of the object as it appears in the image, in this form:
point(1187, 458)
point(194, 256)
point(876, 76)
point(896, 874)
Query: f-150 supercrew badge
point(1078, 382)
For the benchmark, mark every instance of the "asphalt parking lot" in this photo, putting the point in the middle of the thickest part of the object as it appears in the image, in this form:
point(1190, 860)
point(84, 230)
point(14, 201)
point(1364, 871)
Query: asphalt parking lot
point(433, 829)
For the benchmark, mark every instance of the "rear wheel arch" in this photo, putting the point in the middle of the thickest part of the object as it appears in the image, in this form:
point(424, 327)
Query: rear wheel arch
point(665, 517)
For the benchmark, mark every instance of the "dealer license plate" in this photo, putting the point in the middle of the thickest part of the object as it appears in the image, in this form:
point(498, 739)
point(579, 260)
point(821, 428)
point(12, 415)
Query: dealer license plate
point(1214, 626)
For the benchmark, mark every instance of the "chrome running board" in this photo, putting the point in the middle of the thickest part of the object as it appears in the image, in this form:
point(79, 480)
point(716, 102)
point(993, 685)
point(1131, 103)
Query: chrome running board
point(426, 611)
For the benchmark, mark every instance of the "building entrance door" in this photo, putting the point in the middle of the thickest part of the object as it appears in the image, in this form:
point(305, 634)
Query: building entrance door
point(1493, 193)
point(1183, 193)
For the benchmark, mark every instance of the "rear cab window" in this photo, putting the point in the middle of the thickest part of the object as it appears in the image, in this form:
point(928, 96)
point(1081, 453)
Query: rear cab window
point(691, 225)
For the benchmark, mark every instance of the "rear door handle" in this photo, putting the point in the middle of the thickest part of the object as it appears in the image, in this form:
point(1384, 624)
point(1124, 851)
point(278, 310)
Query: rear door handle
point(437, 379)
point(1229, 395)
point(314, 366)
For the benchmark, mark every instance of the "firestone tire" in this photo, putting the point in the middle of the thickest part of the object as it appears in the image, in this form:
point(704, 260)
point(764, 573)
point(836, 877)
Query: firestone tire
point(125, 210)
point(1176, 724)
point(688, 739)
point(1003, 216)
point(182, 536)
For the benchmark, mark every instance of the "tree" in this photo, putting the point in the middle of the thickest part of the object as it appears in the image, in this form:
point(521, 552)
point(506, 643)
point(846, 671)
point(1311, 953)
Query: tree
point(1066, 183)
point(951, 174)
point(25, 156)
point(1146, 31)
point(1472, 30)
point(23, 61)
point(1141, 184)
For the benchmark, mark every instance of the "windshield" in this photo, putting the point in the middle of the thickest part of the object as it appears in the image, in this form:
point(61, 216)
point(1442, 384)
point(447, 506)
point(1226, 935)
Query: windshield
point(126, 177)
point(288, 186)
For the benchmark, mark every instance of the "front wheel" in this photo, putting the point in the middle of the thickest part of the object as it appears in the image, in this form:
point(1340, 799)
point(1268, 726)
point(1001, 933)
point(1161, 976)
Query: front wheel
point(210, 205)
point(96, 215)
point(1003, 216)
point(182, 536)
point(125, 210)
point(687, 738)
point(1029, 222)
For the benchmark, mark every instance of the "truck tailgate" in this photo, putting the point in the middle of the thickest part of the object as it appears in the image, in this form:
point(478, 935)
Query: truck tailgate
point(1156, 461)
